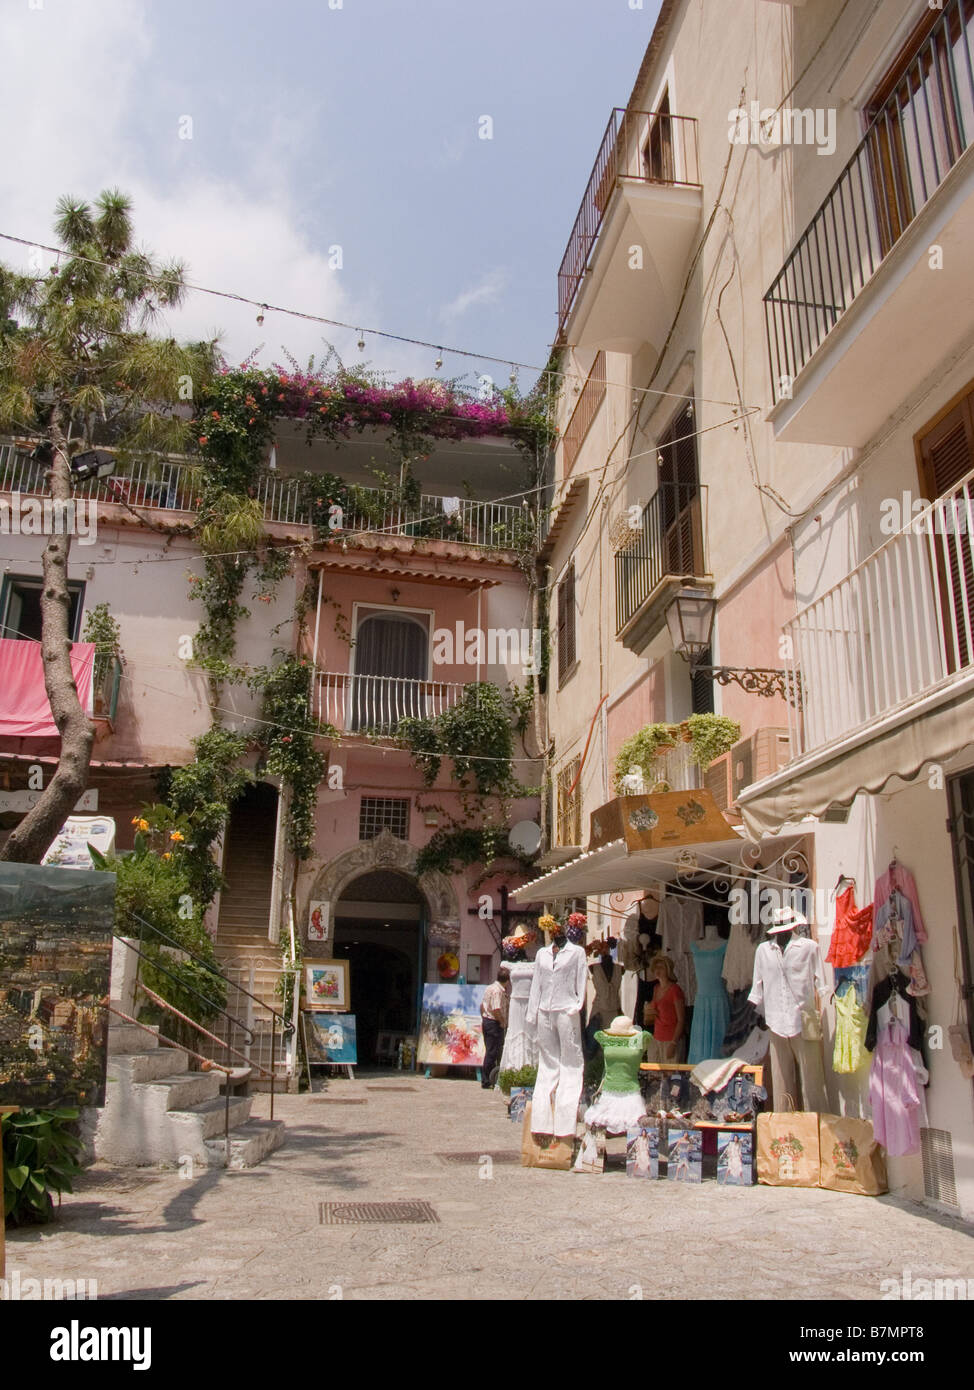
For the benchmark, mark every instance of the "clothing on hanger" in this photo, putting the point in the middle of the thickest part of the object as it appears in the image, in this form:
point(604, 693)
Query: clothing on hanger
point(883, 991)
point(849, 1053)
point(898, 877)
point(852, 934)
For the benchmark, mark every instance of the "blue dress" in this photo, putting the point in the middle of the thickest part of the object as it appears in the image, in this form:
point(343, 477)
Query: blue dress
point(711, 1009)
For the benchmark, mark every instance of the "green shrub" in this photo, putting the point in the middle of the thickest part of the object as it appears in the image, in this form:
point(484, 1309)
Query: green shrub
point(39, 1159)
point(520, 1076)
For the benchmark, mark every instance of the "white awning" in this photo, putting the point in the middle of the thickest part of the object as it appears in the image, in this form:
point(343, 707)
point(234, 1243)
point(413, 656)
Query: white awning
point(616, 869)
point(901, 744)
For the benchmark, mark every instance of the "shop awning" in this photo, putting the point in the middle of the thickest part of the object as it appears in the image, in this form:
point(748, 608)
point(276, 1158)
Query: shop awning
point(901, 744)
point(24, 708)
point(637, 841)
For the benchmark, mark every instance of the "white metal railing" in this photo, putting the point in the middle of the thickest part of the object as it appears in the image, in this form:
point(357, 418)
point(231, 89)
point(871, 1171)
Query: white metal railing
point(890, 631)
point(376, 704)
point(268, 1048)
point(171, 485)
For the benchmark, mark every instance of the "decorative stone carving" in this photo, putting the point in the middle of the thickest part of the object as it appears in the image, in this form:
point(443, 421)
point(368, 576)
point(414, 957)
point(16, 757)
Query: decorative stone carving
point(386, 851)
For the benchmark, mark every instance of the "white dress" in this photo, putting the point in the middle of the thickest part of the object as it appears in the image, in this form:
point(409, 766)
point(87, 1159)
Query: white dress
point(521, 1039)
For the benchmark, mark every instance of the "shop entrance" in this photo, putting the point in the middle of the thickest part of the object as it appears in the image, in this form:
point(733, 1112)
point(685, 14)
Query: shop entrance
point(380, 930)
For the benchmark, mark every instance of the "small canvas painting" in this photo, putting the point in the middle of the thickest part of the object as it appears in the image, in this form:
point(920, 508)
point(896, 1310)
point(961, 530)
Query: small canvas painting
point(326, 984)
point(735, 1159)
point(642, 1151)
point(318, 918)
point(449, 1029)
point(591, 1153)
point(331, 1038)
point(518, 1103)
point(684, 1161)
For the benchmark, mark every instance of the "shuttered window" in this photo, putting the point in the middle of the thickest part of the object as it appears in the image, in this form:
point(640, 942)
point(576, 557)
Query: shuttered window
point(679, 493)
point(946, 455)
point(566, 623)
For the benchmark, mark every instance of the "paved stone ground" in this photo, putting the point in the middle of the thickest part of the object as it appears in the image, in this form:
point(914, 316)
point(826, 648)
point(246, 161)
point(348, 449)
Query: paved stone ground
point(519, 1233)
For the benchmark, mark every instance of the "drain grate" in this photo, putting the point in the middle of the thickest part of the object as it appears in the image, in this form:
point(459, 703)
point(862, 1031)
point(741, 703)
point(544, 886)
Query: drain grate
point(412, 1212)
point(339, 1100)
point(477, 1156)
point(390, 1088)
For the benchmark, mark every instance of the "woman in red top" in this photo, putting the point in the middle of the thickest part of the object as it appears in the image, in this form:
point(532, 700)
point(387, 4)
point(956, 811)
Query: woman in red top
point(667, 1011)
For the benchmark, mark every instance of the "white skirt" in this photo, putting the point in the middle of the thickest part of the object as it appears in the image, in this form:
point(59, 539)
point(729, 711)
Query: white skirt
point(616, 1112)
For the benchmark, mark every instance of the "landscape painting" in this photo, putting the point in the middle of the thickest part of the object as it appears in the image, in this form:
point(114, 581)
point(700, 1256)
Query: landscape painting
point(331, 1038)
point(55, 966)
point(449, 1028)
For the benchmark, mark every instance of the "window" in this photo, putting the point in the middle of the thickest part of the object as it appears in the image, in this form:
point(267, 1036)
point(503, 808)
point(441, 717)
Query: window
point(20, 608)
point(377, 813)
point(570, 803)
point(702, 687)
point(679, 497)
point(566, 625)
point(946, 452)
point(918, 116)
point(658, 151)
point(391, 656)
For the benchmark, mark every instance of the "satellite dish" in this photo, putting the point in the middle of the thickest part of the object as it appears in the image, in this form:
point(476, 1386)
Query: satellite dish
point(525, 837)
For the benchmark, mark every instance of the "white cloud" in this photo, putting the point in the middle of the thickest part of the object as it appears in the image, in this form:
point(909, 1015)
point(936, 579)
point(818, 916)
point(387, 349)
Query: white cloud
point(486, 291)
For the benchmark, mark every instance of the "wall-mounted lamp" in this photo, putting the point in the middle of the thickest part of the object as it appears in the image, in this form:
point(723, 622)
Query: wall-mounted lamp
point(395, 595)
point(690, 619)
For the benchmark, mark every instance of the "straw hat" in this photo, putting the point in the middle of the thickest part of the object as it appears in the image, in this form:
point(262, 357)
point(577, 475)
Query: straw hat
point(786, 919)
point(621, 1027)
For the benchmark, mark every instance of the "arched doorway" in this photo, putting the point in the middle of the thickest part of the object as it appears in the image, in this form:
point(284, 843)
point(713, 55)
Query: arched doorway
point(379, 929)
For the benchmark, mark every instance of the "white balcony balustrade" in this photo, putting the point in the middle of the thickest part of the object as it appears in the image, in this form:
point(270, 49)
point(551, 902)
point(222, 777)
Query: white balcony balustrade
point(376, 704)
point(892, 630)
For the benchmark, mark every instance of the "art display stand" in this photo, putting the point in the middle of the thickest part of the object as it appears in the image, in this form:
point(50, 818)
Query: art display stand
point(346, 1067)
point(748, 1126)
point(4, 1110)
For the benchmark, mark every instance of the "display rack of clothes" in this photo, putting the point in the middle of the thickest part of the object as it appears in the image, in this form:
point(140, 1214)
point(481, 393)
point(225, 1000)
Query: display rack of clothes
point(899, 930)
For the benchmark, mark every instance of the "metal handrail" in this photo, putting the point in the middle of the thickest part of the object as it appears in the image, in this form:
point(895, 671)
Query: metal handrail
point(903, 157)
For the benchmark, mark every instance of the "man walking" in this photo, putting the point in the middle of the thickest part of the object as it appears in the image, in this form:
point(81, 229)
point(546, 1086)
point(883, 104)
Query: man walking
point(493, 1017)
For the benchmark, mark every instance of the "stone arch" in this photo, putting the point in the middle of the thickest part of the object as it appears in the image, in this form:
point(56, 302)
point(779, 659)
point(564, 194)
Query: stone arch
point(386, 851)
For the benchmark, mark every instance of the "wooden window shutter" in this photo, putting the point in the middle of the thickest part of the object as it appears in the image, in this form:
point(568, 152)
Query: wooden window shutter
point(680, 511)
point(947, 454)
point(566, 623)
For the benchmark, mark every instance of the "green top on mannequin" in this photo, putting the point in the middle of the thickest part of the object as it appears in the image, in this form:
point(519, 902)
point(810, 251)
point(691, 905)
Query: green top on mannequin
point(622, 1059)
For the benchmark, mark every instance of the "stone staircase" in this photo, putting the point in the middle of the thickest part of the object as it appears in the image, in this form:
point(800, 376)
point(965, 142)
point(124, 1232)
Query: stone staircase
point(158, 1112)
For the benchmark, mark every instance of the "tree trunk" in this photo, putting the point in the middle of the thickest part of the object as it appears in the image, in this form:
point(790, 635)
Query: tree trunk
point(29, 842)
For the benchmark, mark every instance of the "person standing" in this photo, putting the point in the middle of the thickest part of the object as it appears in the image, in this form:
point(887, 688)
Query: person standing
point(493, 1017)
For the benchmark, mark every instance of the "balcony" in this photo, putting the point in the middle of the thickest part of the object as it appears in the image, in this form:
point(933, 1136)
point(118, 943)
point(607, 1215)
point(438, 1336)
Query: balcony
point(107, 680)
point(375, 704)
point(644, 191)
point(862, 308)
point(170, 485)
point(894, 631)
point(654, 562)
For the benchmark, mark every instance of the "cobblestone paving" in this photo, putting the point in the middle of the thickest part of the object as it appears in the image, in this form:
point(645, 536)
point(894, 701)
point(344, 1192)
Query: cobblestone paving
point(503, 1231)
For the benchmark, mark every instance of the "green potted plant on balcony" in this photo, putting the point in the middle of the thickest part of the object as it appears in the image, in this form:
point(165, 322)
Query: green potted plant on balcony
point(711, 735)
point(640, 751)
point(102, 629)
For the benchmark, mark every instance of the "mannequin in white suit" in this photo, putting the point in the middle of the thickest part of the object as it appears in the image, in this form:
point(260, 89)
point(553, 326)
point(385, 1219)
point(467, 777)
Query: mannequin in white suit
point(557, 998)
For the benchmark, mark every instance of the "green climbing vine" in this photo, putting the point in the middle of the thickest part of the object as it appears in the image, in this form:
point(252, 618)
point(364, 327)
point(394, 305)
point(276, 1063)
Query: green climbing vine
point(287, 740)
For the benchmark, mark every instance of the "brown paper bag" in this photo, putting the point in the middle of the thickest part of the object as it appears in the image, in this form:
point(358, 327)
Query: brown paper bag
point(851, 1159)
point(543, 1150)
point(788, 1153)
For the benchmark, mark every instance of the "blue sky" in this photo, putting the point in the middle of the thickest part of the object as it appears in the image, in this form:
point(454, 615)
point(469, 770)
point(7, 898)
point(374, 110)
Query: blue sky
point(314, 127)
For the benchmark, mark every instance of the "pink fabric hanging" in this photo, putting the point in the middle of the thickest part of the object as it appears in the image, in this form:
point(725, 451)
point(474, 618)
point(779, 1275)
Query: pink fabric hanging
point(24, 708)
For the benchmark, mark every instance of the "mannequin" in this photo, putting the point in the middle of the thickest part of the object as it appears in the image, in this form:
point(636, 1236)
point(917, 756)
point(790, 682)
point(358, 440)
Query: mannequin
point(711, 1011)
point(521, 1038)
point(639, 943)
point(787, 974)
point(604, 980)
point(620, 1104)
point(554, 1006)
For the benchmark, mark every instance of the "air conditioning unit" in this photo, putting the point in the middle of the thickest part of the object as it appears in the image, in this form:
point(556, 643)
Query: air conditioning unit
point(760, 755)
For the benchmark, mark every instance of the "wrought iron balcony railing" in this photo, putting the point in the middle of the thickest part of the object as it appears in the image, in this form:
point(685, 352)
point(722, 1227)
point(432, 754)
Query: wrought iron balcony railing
point(916, 137)
point(646, 146)
point(170, 485)
point(669, 543)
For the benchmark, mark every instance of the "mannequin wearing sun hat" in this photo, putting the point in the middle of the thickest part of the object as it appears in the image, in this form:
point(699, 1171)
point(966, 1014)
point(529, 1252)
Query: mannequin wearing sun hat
point(787, 975)
point(619, 1103)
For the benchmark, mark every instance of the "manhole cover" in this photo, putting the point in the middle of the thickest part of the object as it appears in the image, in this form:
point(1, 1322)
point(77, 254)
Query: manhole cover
point(375, 1213)
point(477, 1157)
point(390, 1088)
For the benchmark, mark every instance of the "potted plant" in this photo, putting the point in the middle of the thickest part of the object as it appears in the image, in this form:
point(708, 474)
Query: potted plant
point(102, 629)
point(711, 735)
point(639, 752)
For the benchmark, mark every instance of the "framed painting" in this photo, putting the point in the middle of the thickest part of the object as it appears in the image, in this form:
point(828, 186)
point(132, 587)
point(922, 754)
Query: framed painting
point(326, 985)
point(331, 1038)
point(735, 1158)
point(684, 1160)
point(450, 1032)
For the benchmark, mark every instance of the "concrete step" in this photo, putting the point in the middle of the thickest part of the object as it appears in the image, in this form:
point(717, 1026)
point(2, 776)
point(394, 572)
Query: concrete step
point(249, 1143)
point(125, 1039)
point(149, 1066)
point(206, 1120)
point(187, 1091)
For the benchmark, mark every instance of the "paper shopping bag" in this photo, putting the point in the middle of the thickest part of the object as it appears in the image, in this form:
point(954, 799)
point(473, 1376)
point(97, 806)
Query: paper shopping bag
point(788, 1153)
point(544, 1150)
point(851, 1159)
